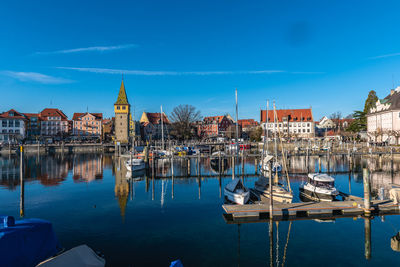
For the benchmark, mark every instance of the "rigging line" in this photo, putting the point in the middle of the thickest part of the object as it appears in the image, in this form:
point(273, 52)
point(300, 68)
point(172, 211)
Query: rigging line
point(286, 245)
point(283, 157)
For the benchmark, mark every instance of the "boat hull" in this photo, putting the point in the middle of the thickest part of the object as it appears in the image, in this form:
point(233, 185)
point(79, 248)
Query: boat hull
point(278, 194)
point(317, 196)
point(238, 198)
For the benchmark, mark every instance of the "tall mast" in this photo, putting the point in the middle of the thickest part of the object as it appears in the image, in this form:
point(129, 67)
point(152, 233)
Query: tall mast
point(237, 127)
point(267, 124)
point(162, 129)
point(275, 126)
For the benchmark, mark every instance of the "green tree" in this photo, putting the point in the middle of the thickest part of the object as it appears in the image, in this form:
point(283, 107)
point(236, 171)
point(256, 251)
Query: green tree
point(360, 117)
point(370, 102)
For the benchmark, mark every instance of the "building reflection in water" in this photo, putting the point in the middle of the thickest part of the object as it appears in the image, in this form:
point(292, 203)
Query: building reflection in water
point(87, 168)
point(122, 187)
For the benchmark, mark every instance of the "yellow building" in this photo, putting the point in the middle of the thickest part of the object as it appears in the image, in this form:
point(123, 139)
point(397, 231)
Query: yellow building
point(122, 116)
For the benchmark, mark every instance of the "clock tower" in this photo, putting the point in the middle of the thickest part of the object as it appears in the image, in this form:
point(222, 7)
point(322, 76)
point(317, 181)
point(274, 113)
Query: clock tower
point(122, 112)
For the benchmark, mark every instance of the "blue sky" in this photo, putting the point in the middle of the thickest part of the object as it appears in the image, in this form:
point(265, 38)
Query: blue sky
point(323, 54)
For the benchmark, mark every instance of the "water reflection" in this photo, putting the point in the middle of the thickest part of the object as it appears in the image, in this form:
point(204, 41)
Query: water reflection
point(199, 192)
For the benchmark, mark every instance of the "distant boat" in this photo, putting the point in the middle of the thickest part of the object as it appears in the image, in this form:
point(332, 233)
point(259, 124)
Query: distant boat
point(279, 193)
point(236, 192)
point(319, 187)
point(134, 165)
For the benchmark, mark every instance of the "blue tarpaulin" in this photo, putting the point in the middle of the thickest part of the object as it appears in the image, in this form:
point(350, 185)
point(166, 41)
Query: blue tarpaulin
point(26, 242)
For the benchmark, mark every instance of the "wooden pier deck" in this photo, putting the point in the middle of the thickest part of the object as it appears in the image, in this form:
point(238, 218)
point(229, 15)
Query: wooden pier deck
point(306, 210)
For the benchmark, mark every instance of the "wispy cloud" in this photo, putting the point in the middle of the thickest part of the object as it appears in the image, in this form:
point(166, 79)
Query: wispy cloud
point(89, 49)
point(168, 73)
point(384, 56)
point(35, 77)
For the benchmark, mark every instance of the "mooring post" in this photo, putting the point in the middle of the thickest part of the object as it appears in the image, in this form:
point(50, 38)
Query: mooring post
point(319, 163)
point(255, 165)
point(367, 192)
point(233, 167)
point(219, 162)
point(391, 159)
point(188, 167)
point(198, 165)
point(223, 164)
point(172, 165)
point(327, 160)
point(22, 184)
point(270, 192)
point(380, 161)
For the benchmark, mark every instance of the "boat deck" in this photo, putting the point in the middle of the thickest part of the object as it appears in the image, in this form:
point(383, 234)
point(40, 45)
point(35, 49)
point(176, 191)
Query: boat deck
point(307, 210)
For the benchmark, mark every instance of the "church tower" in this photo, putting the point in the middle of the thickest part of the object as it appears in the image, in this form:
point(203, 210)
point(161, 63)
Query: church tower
point(122, 112)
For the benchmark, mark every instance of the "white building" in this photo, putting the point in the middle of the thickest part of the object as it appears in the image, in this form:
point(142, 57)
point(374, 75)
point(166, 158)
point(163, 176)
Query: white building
point(53, 122)
point(12, 126)
point(326, 123)
point(383, 120)
point(290, 122)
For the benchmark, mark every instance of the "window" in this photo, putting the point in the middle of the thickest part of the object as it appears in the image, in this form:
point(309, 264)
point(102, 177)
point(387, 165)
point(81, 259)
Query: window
point(308, 130)
point(118, 107)
point(123, 107)
point(16, 123)
point(308, 124)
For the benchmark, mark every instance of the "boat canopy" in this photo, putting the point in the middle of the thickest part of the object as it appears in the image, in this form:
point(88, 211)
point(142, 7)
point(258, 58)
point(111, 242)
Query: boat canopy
point(267, 158)
point(235, 184)
point(80, 256)
point(26, 242)
point(321, 177)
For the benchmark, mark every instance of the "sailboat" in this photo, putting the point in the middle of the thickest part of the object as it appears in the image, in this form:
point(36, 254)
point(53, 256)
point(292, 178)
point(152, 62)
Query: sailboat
point(235, 191)
point(279, 192)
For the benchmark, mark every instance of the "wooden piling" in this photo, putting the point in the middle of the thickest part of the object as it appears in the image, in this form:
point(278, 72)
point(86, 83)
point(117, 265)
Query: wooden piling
point(367, 241)
point(22, 184)
point(367, 192)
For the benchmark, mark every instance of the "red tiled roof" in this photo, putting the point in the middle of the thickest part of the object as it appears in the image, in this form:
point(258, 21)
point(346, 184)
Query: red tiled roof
point(292, 114)
point(154, 118)
point(29, 115)
point(213, 118)
point(17, 115)
point(51, 112)
point(247, 123)
point(78, 115)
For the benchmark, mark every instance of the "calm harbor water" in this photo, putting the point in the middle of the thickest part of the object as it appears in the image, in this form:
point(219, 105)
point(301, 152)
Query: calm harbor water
point(146, 222)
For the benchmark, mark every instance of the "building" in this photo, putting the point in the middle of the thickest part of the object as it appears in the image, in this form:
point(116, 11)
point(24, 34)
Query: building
point(53, 122)
point(290, 122)
point(214, 126)
point(325, 123)
point(151, 125)
point(383, 120)
point(247, 124)
point(108, 129)
point(12, 126)
point(134, 128)
point(87, 124)
point(122, 114)
point(32, 125)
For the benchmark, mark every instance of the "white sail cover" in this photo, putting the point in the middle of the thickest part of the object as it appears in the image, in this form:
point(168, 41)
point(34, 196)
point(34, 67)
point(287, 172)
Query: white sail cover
point(80, 256)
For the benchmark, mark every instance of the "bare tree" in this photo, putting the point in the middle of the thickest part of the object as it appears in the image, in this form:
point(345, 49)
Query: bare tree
point(183, 117)
point(335, 117)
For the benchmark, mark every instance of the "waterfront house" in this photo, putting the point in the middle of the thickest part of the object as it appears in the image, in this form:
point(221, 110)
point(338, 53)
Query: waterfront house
point(87, 124)
point(215, 126)
point(12, 126)
point(108, 129)
point(53, 122)
point(151, 125)
point(290, 122)
point(32, 125)
point(247, 124)
point(383, 120)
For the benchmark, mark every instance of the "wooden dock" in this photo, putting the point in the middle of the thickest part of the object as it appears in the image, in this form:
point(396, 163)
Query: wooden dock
point(306, 210)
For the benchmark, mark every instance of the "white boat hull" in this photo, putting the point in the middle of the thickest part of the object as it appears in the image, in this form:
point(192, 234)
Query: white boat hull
point(135, 165)
point(238, 198)
point(279, 194)
point(317, 193)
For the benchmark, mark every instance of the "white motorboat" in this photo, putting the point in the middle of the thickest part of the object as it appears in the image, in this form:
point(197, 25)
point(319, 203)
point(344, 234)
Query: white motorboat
point(214, 161)
point(279, 193)
point(319, 187)
point(236, 192)
point(134, 165)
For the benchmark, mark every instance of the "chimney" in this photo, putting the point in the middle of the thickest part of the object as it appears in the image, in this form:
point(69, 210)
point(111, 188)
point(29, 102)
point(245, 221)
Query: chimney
point(391, 91)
